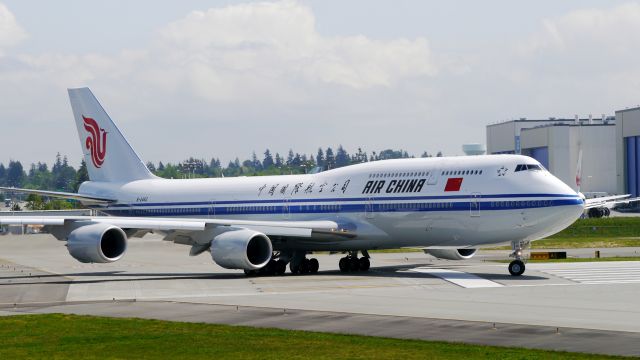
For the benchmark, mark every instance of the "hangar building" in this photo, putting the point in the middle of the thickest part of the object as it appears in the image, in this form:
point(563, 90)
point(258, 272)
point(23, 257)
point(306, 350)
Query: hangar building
point(628, 151)
point(556, 144)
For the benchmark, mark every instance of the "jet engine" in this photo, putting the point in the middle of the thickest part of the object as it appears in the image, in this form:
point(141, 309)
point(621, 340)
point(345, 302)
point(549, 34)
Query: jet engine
point(97, 243)
point(451, 254)
point(241, 249)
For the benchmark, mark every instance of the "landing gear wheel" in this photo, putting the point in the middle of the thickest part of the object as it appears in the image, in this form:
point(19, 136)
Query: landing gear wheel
point(364, 264)
point(516, 268)
point(281, 267)
point(304, 266)
point(295, 269)
point(314, 265)
point(354, 264)
point(269, 269)
point(344, 264)
point(250, 272)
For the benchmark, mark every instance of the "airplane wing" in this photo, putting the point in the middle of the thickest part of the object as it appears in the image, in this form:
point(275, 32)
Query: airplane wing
point(607, 201)
point(62, 195)
point(299, 229)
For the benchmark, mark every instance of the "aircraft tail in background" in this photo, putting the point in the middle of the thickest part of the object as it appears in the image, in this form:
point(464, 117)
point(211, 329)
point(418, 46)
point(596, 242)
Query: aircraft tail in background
point(107, 153)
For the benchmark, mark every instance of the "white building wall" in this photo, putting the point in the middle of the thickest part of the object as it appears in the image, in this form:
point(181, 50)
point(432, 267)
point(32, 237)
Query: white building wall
point(502, 137)
point(598, 145)
point(598, 158)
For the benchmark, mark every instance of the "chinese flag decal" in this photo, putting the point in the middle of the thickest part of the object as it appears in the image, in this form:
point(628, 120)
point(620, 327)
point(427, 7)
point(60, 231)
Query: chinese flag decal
point(453, 184)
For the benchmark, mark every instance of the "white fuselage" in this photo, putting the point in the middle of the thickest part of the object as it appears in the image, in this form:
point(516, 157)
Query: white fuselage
point(456, 202)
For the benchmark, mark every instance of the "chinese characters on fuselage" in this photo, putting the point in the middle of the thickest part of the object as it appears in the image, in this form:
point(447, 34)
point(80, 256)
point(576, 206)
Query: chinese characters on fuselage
point(299, 188)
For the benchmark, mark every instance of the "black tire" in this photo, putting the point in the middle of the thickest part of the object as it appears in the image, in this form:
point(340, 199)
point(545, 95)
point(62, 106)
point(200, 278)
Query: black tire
point(250, 272)
point(281, 267)
point(364, 264)
point(269, 269)
point(607, 212)
point(304, 266)
point(354, 264)
point(516, 268)
point(314, 265)
point(295, 269)
point(344, 264)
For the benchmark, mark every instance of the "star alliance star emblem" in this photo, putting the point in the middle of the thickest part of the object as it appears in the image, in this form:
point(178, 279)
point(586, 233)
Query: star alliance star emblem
point(502, 171)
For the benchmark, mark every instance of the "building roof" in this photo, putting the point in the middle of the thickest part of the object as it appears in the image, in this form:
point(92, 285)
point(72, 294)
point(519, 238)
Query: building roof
point(629, 109)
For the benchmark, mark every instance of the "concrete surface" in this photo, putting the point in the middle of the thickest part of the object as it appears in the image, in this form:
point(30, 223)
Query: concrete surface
point(588, 307)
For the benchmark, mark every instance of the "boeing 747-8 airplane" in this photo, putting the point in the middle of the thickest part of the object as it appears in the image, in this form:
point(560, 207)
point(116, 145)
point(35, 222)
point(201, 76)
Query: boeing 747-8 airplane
point(448, 206)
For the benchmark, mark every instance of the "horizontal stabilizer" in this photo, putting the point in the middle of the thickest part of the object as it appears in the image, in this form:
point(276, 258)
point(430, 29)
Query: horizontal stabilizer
point(62, 195)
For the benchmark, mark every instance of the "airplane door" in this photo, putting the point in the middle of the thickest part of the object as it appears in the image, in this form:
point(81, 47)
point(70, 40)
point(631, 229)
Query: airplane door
point(368, 209)
point(433, 177)
point(474, 205)
point(212, 208)
point(286, 214)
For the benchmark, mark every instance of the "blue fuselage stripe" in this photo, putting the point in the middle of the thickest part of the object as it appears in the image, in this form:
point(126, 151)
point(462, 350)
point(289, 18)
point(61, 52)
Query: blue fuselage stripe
point(248, 208)
point(358, 199)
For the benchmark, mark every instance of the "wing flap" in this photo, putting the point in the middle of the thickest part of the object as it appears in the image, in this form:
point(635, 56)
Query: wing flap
point(269, 228)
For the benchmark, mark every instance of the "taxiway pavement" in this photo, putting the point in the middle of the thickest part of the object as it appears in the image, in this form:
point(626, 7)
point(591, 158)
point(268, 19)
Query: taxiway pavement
point(588, 307)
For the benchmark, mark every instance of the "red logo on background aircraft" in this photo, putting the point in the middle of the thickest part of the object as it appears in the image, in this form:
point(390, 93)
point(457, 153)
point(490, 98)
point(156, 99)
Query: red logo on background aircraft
point(96, 142)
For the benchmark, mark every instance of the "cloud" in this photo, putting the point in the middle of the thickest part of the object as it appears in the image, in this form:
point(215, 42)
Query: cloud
point(261, 66)
point(10, 31)
point(574, 61)
point(275, 41)
point(594, 32)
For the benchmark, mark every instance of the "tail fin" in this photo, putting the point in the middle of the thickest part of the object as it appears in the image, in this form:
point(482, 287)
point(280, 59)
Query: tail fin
point(108, 155)
point(579, 171)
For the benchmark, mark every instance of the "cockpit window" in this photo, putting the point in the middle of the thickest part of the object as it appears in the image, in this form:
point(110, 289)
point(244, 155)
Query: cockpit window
point(530, 167)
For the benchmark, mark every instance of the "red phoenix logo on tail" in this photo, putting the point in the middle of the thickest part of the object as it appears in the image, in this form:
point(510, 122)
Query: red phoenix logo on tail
point(95, 143)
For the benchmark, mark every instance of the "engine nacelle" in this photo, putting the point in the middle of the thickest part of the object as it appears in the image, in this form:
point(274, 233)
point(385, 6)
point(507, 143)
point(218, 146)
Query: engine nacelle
point(241, 249)
point(97, 243)
point(451, 254)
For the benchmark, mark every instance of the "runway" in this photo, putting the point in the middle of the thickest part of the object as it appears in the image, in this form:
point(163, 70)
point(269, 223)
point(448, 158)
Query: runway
point(589, 307)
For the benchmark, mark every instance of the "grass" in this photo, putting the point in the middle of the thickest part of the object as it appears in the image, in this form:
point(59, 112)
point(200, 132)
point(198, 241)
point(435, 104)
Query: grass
point(56, 336)
point(592, 233)
point(587, 242)
point(571, 260)
point(613, 227)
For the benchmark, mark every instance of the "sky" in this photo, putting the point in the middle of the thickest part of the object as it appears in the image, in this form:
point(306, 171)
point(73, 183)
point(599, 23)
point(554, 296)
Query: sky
point(226, 78)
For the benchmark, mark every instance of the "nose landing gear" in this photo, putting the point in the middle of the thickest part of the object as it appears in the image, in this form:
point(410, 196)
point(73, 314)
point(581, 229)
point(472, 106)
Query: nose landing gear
point(517, 267)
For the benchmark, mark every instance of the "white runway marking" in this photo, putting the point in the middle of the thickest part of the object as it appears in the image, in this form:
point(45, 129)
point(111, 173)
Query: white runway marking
point(599, 273)
point(459, 278)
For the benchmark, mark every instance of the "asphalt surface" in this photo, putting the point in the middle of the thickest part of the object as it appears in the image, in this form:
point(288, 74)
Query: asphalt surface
point(585, 307)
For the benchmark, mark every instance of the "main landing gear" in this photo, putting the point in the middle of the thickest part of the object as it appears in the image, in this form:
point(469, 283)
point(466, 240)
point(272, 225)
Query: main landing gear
point(297, 261)
point(300, 265)
point(304, 266)
point(273, 267)
point(351, 262)
point(517, 267)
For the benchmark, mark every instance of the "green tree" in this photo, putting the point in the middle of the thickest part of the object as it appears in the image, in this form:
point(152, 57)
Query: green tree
point(15, 174)
point(268, 159)
point(81, 176)
point(320, 158)
point(342, 157)
point(35, 202)
point(330, 160)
